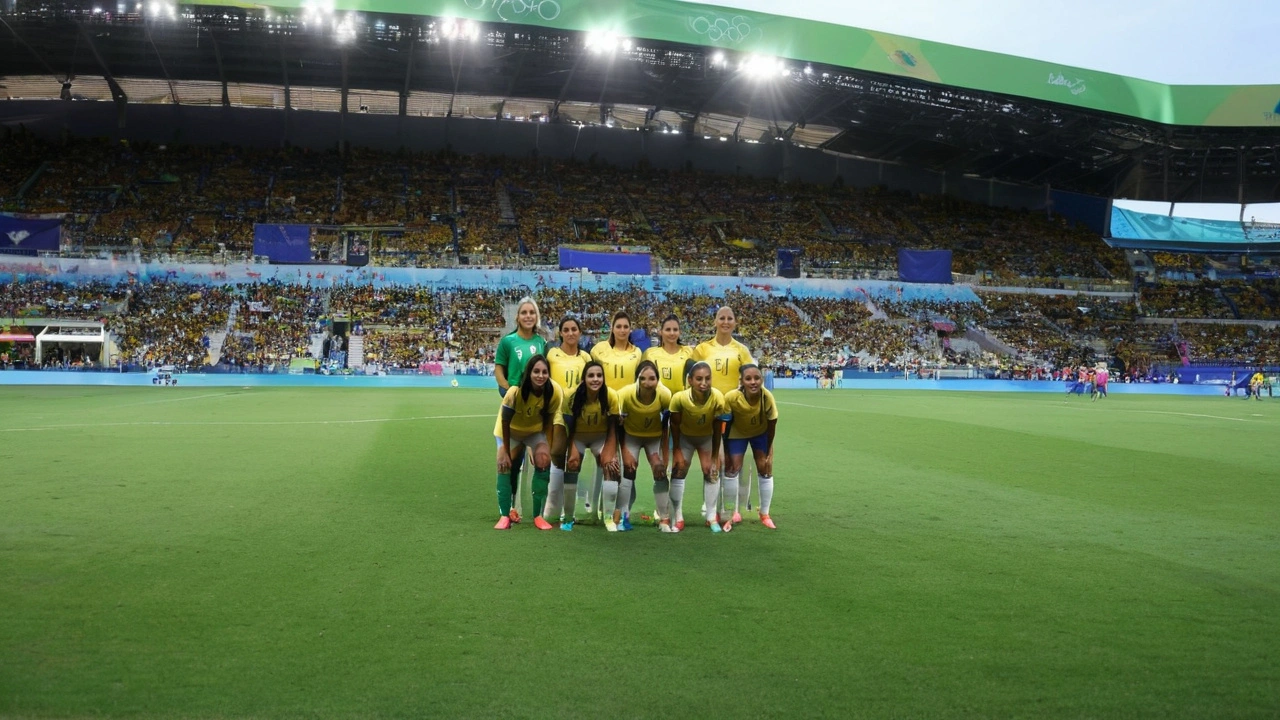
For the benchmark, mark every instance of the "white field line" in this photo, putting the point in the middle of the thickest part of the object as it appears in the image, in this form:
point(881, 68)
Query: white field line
point(243, 423)
point(178, 399)
point(1150, 412)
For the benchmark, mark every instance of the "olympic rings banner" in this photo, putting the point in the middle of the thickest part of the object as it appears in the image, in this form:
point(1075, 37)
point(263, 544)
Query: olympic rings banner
point(766, 34)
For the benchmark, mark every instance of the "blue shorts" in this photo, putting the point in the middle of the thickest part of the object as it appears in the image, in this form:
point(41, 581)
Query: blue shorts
point(738, 446)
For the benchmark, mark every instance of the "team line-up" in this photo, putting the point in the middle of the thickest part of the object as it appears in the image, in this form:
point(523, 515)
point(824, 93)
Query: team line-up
point(669, 404)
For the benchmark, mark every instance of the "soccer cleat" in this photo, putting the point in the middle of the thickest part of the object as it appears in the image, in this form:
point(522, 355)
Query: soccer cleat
point(625, 525)
point(679, 524)
point(610, 525)
point(514, 515)
point(567, 526)
point(541, 523)
point(737, 518)
point(728, 527)
point(665, 527)
point(715, 527)
point(766, 521)
point(504, 523)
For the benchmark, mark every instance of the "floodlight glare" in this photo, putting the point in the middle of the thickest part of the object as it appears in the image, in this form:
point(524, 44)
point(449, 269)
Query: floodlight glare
point(605, 42)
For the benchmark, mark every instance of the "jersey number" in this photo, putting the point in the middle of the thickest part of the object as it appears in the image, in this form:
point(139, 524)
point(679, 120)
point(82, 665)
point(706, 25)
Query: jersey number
point(647, 422)
point(617, 372)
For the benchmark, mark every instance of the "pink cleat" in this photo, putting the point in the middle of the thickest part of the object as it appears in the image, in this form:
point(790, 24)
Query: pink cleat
point(737, 519)
point(514, 515)
point(679, 524)
point(504, 523)
point(727, 527)
point(542, 524)
point(766, 521)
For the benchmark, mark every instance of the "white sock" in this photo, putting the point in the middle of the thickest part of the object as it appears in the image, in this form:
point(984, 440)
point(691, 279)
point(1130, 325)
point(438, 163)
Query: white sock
point(710, 498)
point(730, 494)
point(766, 493)
point(662, 498)
point(555, 494)
point(677, 499)
point(624, 495)
point(610, 489)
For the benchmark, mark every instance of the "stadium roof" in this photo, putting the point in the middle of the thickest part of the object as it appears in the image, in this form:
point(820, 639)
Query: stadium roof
point(675, 66)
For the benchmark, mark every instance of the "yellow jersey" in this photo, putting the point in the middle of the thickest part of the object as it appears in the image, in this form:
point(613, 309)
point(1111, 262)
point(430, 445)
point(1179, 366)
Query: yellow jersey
point(750, 420)
point(726, 362)
point(643, 419)
point(566, 369)
point(528, 412)
point(619, 365)
point(698, 420)
point(593, 418)
point(1257, 379)
point(670, 367)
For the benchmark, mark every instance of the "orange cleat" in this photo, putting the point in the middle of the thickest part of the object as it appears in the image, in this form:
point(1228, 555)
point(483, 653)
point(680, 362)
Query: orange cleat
point(737, 519)
point(514, 515)
point(767, 522)
point(504, 523)
point(679, 525)
point(541, 524)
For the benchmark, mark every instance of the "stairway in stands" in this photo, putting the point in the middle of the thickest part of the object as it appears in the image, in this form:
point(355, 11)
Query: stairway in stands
point(219, 337)
point(355, 352)
point(506, 211)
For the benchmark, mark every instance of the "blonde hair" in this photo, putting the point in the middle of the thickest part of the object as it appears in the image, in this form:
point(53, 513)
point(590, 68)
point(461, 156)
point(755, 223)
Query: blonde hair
point(537, 315)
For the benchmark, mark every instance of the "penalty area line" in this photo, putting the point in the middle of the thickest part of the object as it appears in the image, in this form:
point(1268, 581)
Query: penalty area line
point(1158, 412)
point(243, 423)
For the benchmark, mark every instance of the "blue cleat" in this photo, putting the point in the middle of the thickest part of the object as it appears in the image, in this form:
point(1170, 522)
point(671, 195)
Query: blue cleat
point(567, 526)
point(626, 523)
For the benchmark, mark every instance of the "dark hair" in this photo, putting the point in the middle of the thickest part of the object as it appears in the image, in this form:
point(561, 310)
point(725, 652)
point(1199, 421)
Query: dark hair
point(580, 395)
point(620, 315)
point(742, 370)
point(569, 318)
point(526, 383)
point(640, 368)
point(691, 365)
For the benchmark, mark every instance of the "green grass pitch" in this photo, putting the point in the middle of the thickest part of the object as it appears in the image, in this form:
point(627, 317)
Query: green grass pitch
point(218, 552)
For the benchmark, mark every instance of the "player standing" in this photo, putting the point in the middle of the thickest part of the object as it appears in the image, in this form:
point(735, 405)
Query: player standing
point(726, 356)
point(619, 358)
point(514, 351)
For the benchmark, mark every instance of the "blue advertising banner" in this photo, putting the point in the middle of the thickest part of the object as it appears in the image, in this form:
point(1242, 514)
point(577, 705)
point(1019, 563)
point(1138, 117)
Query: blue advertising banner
point(924, 266)
point(601, 262)
point(29, 236)
point(283, 243)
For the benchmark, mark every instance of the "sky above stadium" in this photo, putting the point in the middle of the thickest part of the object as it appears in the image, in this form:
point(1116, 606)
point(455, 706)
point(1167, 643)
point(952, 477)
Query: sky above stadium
point(1177, 42)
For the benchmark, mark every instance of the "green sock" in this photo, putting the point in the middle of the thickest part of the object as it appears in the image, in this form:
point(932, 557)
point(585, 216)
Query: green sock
point(504, 493)
point(539, 489)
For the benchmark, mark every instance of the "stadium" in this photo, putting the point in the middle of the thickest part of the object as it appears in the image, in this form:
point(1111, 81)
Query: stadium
point(262, 268)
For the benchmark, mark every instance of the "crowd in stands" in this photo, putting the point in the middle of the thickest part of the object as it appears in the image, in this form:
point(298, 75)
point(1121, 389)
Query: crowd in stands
point(433, 208)
point(403, 327)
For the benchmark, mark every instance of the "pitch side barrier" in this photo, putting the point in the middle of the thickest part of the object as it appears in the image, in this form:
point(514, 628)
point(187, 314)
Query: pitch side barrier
point(252, 380)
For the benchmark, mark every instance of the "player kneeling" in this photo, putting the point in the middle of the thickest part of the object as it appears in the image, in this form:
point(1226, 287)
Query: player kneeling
point(753, 423)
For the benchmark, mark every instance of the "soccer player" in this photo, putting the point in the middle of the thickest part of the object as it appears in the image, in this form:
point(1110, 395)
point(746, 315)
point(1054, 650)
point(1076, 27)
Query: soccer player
point(753, 423)
point(1100, 382)
point(567, 359)
point(695, 429)
point(528, 412)
point(567, 363)
point(670, 357)
point(514, 351)
point(619, 357)
point(590, 415)
point(643, 429)
point(1255, 385)
point(726, 356)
